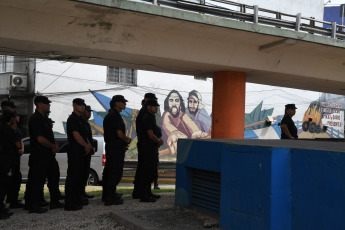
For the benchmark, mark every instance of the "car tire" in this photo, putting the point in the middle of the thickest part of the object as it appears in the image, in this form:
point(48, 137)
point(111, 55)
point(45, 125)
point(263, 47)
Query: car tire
point(93, 179)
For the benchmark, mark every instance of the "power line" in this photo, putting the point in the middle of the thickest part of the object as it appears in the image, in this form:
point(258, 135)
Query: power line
point(58, 77)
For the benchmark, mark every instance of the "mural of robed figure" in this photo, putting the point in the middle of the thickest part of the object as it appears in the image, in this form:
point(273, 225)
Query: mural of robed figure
point(197, 112)
point(176, 123)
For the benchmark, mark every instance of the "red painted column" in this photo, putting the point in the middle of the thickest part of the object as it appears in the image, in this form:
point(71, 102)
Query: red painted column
point(228, 105)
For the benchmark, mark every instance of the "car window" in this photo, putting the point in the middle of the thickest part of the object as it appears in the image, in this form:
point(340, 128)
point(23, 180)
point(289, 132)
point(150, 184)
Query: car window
point(95, 143)
point(27, 148)
point(63, 145)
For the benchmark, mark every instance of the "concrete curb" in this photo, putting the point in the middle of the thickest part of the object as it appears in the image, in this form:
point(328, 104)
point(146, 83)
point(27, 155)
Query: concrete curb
point(130, 221)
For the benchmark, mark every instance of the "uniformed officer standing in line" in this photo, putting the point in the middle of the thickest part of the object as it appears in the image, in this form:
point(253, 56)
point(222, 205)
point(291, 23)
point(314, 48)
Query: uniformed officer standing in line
point(140, 133)
point(152, 140)
point(42, 156)
point(9, 149)
point(79, 147)
point(87, 161)
point(16, 178)
point(288, 127)
point(53, 178)
point(116, 144)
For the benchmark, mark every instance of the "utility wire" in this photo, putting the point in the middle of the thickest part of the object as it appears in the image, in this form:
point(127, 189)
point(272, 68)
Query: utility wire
point(58, 77)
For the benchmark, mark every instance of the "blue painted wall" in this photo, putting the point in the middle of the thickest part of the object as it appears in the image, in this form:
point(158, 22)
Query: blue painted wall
point(268, 188)
point(318, 189)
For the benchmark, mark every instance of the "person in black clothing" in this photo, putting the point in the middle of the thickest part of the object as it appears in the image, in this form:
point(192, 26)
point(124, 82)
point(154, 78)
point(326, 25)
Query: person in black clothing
point(116, 144)
point(139, 129)
point(151, 141)
point(42, 156)
point(288, 127)
point(87, 160)
point(9, 150)
point(53, 178)
point(16, 179)
point(79, 147)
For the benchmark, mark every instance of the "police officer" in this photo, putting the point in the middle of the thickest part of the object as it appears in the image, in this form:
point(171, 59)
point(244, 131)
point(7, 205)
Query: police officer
point(42, 156)
point(152, 140)
point(87, 160)
point(16, 178)
point(116, 144)
point(288, 127)
point(139, 129)
point(9, 149)
point(53, 178)
point(78, 149)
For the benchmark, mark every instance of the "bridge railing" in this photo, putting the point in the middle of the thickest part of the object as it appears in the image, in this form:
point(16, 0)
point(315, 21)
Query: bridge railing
point(257, 15)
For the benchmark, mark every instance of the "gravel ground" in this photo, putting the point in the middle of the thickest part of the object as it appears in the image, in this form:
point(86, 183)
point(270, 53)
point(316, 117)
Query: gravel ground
point(161, 214)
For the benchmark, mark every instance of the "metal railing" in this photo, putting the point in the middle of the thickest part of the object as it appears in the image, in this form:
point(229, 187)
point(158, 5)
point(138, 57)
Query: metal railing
point(257, 15)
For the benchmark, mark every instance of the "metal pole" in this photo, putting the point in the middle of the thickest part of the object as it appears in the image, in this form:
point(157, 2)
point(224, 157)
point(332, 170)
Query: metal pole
point(334, 30)
point(298, 22)
point(342, 18)
point(256, 14)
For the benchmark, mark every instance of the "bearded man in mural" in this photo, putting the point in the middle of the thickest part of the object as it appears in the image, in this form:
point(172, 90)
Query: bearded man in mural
point(197, 112)
point(176, 123)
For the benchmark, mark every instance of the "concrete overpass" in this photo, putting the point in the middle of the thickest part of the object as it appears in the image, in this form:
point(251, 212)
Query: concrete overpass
point(150, 37)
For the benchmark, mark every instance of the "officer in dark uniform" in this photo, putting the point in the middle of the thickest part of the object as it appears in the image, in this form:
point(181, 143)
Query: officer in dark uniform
point(288, 127)
point(87, 161)
point(16, 179)
point(42, 156)
point(79, 147)
point(116, 144)
point(9, 149)
point(152, 140)
point(139, 129)
point(53, 178)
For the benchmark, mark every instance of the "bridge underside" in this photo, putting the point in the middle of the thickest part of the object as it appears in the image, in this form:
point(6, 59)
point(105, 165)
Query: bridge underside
point(148, 37)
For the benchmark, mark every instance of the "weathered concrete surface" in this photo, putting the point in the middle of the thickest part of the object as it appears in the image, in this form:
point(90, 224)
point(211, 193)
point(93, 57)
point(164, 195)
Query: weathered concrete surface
point(149, 37)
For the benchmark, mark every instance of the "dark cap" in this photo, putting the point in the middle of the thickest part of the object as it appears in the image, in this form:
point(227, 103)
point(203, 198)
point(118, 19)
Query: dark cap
point(152, 102)
point(118, 98)
point(88, 108)
point(150, 96)
point(79, 101)
point(7, 115)
point(9, 104)
point(41, 99)
point(290, 106)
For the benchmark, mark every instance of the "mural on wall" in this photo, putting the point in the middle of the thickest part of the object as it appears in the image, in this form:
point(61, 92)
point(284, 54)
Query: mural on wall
point(176, 123)
point(324, 118)
point(188, 118)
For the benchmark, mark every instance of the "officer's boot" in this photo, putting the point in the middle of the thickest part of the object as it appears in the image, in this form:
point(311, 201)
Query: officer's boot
point(145, 195)
point(112, 199)
point(54, 200)
point(136, 191)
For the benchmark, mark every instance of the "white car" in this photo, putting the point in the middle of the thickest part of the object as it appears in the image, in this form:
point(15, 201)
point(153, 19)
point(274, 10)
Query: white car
point(96, 165)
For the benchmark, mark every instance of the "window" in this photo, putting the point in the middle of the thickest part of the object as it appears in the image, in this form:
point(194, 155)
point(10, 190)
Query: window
point(116, 75)
point(2, 63)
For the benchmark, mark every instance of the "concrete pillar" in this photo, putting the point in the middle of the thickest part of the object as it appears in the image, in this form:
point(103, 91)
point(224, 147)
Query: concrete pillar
point(228, 106)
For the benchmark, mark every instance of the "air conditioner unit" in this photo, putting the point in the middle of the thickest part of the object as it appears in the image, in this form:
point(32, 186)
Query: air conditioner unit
point(19, 82)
